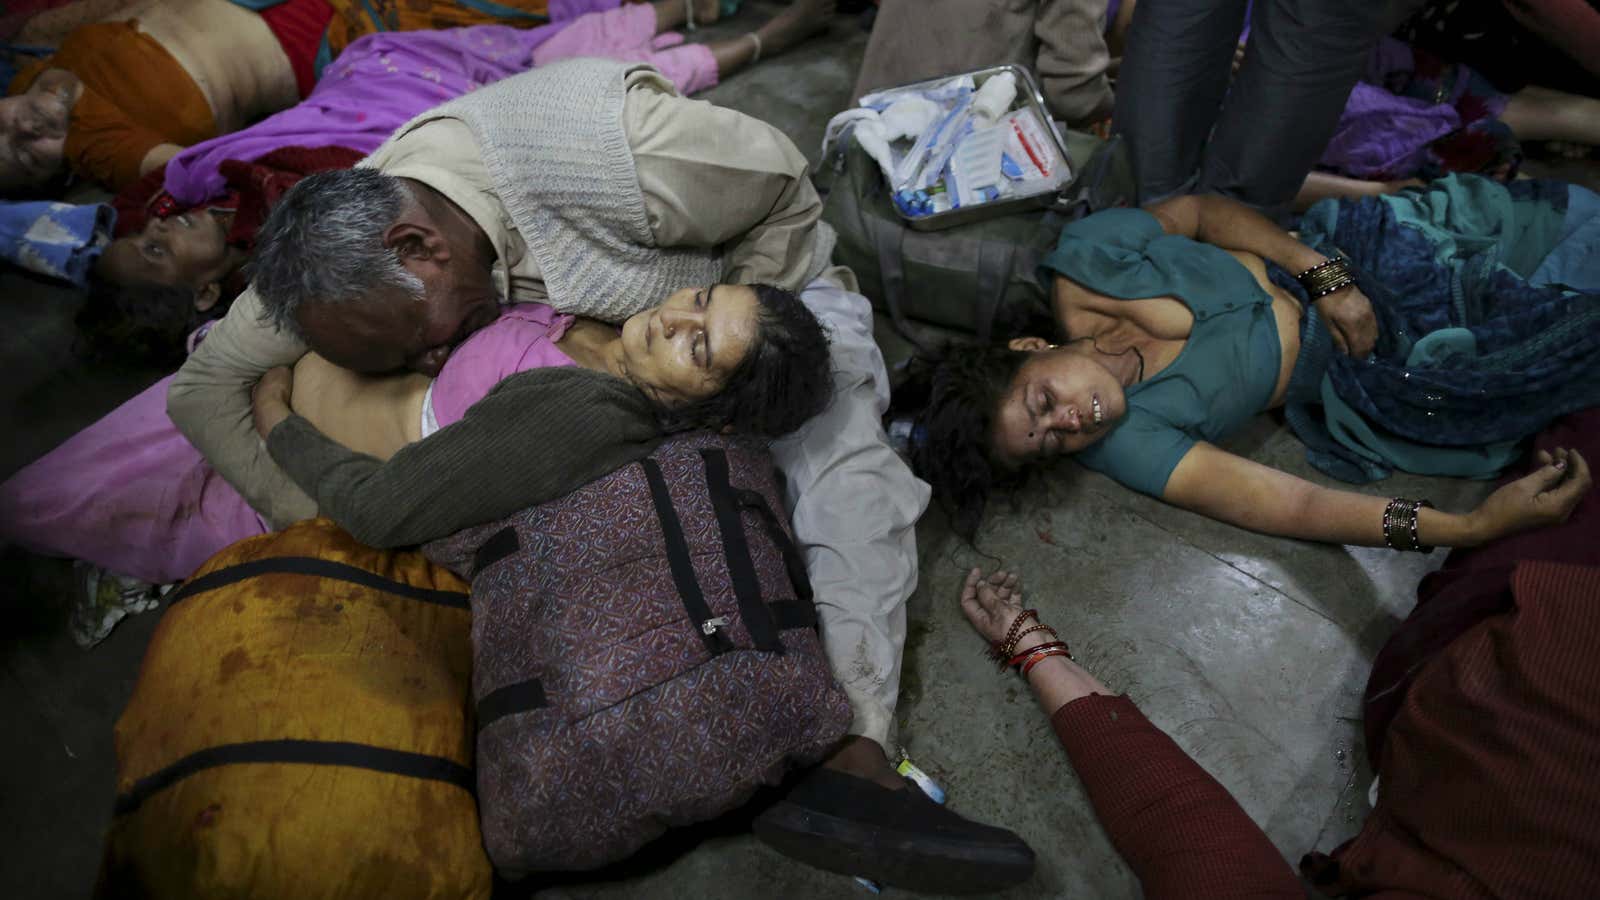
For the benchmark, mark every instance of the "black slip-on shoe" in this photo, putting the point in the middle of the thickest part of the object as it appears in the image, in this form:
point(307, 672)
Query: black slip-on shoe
point(854, 826)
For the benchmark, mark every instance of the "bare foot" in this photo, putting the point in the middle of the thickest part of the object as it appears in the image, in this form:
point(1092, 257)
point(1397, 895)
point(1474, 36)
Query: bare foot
point(801, 20)
point(864, 758)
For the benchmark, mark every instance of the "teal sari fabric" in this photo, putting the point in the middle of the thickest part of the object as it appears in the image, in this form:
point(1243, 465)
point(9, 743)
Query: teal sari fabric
point(1488, 301)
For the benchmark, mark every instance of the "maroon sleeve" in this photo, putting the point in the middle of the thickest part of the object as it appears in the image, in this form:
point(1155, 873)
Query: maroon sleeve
point(1180, 831)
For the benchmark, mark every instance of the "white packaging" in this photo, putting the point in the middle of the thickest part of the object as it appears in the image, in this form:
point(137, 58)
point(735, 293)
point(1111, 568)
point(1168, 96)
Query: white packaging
point(976, 164)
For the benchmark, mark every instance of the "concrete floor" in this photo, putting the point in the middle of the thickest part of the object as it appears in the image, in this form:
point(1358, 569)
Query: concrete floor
point(1250, 651)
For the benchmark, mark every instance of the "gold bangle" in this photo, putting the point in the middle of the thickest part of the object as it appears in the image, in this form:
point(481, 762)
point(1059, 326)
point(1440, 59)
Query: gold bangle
point(1324, 278)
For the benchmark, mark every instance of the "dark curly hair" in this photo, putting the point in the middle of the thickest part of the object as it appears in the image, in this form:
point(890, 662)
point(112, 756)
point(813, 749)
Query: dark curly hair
point(951, 397)
point(784, 379)
point(139, 323)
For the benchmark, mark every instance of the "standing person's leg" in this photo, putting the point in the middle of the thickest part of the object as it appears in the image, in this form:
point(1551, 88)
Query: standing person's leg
point(1302, 59)
point(855, 505)
point(1170, 85)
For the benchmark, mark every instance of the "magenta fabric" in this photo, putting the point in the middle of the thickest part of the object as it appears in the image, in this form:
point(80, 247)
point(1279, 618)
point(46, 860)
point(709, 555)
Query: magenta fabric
point(376, 85)
point(522, 338)
point(129, 493)
point(630, 36)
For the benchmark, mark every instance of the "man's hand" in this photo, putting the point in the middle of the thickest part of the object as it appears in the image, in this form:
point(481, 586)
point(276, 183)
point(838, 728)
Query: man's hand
point(1350, 320)
point(269, 401)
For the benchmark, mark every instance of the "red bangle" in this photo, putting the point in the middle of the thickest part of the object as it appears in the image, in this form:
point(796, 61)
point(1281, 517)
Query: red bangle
point(1023, 657)
point(1042, 655)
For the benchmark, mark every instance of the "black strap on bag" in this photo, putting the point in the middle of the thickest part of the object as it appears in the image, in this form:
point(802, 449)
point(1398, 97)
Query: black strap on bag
point(509, 700)
point(994, 267)
point(681, 563)
point(316, 568)
point(758, 620)
point(500, 545)
point(793, 562)
point(802, 611)
point(298, 752)
point(889, 239)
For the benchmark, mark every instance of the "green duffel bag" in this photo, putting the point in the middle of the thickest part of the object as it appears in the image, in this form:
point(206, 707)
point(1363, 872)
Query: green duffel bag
point(980, 278)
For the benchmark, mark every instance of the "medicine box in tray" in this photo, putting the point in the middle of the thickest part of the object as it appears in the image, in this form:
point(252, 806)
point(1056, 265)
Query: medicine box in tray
point(968, 147)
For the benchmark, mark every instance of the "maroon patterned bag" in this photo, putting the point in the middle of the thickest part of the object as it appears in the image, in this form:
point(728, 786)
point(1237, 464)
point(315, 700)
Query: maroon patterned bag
point(644, 654)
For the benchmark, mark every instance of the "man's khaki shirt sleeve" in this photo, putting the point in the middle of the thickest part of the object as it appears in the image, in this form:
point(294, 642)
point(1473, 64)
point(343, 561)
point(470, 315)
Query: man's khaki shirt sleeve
point(209, 401)
point(716, 177)
point(1072, 59)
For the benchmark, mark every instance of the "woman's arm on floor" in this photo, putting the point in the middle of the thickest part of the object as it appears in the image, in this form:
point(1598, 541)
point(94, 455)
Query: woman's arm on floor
point(1232, 489)
point(1180, 831)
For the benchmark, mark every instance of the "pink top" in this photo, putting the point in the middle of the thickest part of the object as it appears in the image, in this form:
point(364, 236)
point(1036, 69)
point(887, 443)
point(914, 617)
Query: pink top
point(523, 338)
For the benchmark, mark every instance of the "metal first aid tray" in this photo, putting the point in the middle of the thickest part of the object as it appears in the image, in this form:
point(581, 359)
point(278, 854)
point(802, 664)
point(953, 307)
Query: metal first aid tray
point(1028, 95)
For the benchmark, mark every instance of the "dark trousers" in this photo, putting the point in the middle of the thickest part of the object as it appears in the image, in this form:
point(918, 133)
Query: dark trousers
point(1188, 132)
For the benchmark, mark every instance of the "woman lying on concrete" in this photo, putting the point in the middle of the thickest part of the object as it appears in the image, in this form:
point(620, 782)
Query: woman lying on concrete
point(1430, 331)
point(751, 358)
point(96, 110)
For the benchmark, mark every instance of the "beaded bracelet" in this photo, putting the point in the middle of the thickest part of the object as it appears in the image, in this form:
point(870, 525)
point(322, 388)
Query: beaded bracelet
point(1001, 650)
point(1030, 630)
point(1322, 279)
point(1400, 525)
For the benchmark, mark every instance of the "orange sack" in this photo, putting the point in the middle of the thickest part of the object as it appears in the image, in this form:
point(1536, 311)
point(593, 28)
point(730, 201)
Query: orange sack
point(300, 728)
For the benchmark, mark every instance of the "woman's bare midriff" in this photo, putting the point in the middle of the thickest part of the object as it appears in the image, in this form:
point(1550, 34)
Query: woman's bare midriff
point(375, 415)
point(1162, 325)
point(229, 52)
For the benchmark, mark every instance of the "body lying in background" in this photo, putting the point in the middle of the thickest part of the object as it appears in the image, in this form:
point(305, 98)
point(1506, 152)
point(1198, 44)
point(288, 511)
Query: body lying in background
point(185, 230)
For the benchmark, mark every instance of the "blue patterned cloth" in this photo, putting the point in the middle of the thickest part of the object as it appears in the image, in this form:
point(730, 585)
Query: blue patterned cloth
point(61, 240)
point(1488, 304)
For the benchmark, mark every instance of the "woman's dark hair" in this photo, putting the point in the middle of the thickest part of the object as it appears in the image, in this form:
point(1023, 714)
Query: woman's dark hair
point(950, 398)
point(784, 379)
point(140, 323)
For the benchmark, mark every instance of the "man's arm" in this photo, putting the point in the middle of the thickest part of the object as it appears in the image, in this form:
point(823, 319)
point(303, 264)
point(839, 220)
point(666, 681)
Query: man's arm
point(715, 177)
point(210, 403)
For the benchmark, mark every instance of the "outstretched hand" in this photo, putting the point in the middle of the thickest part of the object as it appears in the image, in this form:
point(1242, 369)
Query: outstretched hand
point(991, 604)
point(269, 401)
point(1351, 321)
point(1546, 496)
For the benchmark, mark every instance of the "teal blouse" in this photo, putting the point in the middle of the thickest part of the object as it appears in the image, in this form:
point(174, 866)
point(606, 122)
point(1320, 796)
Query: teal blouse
point(1228, 368)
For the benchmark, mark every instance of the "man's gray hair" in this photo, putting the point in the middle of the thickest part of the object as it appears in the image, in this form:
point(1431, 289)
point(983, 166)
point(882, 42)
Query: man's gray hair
point(323, 243)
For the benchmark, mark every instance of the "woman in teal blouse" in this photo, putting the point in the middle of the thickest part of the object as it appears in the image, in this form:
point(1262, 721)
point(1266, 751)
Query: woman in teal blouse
point(1179, 323)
